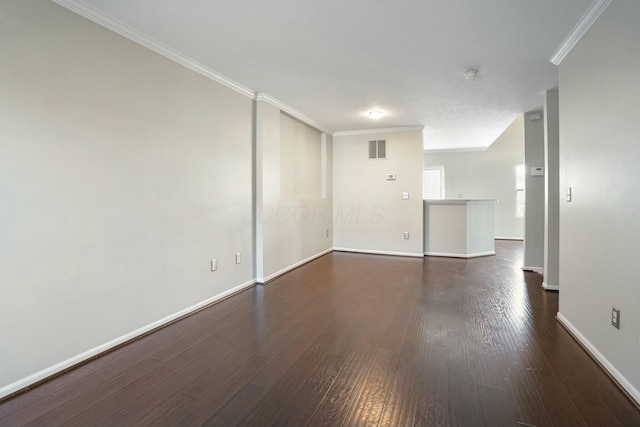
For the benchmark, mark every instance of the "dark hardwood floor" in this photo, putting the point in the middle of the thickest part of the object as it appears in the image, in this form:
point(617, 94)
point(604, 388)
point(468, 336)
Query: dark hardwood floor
point(350, 340)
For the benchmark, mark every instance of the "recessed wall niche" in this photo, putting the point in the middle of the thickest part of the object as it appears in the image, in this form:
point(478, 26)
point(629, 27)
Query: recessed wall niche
point(300, 160)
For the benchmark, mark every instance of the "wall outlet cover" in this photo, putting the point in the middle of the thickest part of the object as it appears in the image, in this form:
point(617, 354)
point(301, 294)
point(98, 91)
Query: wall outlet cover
point(615, 318)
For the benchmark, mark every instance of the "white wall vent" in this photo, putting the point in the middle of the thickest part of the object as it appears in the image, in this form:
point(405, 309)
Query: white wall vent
point(378, 149)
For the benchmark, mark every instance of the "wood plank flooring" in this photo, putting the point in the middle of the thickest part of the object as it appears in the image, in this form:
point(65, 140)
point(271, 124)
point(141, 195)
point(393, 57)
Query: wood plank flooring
point(350, 340)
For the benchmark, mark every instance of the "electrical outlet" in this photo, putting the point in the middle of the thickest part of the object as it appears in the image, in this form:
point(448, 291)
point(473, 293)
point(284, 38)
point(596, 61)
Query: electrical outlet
point(406, 235)
point(405, 195)
point(615, 318)
point(214, 264)
point(569, 195)
point(327, 233)
point(238, 258)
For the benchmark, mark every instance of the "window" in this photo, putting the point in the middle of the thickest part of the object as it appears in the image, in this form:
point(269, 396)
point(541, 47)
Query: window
point(433, 183)
point(520, 191)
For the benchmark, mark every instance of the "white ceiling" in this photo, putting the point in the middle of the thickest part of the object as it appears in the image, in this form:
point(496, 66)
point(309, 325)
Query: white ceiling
point(335, 60)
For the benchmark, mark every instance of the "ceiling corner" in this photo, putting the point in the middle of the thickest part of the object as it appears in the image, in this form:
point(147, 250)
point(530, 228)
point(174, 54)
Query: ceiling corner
point(583, 25)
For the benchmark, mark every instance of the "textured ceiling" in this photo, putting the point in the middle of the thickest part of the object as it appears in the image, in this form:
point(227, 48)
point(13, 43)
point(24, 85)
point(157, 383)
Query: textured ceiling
point(336, 60)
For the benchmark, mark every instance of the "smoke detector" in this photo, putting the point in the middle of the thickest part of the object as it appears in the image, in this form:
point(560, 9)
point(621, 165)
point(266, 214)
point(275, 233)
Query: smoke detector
point(471, 74)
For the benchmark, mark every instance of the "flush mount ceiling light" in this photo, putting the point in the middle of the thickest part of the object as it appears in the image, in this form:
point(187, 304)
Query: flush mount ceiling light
point(376, 114)
point(471, 74)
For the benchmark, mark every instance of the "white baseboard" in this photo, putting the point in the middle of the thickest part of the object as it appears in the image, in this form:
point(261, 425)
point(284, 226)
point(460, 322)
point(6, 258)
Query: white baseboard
point(539, 270)
point(367, 251)
point(508, 238)
point(25, 383)
point(606, 365)
point(466, 256)
point(548, 287)
point(292, 266)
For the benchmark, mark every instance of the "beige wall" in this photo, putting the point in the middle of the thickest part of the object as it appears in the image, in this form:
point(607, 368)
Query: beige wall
point(535, 192)
point(487, 174)
point(599, 152)
point(552, 195)
point(122, 174)
point(369, 212)
point(293, 192)
point(301, 154)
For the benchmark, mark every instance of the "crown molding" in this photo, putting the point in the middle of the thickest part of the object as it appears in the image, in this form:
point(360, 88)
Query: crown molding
point(101, 18)
point(455, 150)
point(379, 131)
point(587, 20)
point(265, 97)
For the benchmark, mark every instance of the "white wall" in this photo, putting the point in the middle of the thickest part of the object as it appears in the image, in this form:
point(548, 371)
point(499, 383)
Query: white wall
point(552, 194)
point(301, 155)
point(122, 174)
point(295, 192)
point(534, 192)
point(369, 212)
point(599, 152)
point(487, 174)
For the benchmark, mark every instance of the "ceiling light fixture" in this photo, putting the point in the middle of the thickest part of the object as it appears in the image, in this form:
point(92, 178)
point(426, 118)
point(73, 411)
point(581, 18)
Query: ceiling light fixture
point(376, 114)
point(471, 74)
